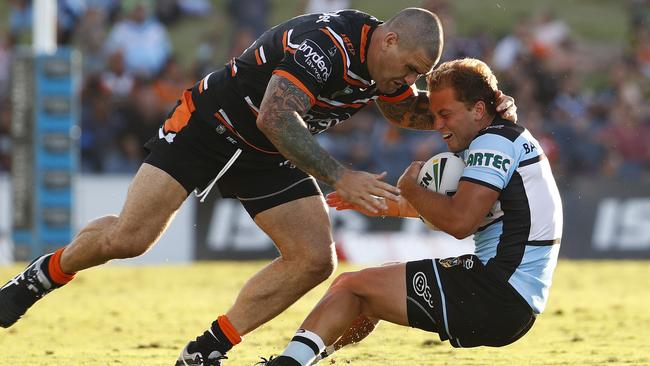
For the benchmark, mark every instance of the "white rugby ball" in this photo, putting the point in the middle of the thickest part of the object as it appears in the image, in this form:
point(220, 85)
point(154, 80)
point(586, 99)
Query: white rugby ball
point(441, 174)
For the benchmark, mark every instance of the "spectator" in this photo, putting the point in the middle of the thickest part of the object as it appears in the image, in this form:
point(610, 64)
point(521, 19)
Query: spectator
point(627, 136)
point(168, 83)
point(116, 80)
point(141, 38)
point(549, 32)
point(90, 37)
point(100, 126)
point(513, 46)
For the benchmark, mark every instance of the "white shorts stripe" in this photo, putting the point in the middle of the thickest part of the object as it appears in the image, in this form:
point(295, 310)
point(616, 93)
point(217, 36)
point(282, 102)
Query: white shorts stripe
point(250, 103)
point(442, 299)
point(225, 117)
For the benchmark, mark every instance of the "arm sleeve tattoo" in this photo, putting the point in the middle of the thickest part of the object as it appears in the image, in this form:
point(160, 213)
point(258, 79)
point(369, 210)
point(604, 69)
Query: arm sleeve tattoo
point(280, 120)
point(412, 112)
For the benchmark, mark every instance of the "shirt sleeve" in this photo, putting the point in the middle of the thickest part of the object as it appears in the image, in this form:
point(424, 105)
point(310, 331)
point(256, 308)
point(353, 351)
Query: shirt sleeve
point(309, 61)
point(491, 161)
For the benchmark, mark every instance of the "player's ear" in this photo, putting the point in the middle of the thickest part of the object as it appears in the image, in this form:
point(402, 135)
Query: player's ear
point(390, 39)
point(479, 110)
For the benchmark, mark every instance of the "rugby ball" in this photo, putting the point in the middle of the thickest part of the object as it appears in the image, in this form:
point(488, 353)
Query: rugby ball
point(441, 174)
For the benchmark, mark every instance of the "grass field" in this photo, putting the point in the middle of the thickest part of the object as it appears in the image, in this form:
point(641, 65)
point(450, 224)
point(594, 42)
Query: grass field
point(598, 315)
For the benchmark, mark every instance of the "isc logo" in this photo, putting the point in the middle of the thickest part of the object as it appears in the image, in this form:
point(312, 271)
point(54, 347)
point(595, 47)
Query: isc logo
point(622, 224)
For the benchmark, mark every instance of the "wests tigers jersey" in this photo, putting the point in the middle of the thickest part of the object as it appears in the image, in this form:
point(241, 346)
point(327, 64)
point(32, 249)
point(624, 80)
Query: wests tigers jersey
point(325, 55)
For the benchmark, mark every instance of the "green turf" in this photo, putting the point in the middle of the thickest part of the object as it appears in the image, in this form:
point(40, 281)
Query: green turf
point(598, 315)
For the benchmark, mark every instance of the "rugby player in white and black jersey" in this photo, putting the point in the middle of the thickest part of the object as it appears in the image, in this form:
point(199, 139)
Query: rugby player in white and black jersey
point(507, 198)
point(248, 128)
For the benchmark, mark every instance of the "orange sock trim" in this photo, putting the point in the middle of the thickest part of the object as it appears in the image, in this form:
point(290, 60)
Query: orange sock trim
point(228, 330)
point(54, 268)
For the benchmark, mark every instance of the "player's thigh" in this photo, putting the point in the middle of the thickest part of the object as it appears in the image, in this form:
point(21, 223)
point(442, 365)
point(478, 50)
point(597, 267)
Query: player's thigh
point(383, 292)
point(300, 227)
point(152, 200)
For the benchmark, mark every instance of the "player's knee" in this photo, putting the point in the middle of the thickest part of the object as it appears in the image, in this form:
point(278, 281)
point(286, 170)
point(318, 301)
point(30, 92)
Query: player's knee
point(125, 242)
point(355, 282)
point(319, 264)
point(346, 281)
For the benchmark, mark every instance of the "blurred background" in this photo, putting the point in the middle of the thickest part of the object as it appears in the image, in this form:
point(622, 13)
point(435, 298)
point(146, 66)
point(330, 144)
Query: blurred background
point(579, 71)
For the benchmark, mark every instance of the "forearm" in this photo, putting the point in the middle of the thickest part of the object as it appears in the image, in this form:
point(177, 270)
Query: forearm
point(301, 148)
point(412, 112)
point(280, 120)
point(438, 209)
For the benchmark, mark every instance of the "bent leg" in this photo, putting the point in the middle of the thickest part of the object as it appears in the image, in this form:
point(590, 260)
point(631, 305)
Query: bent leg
point(301, 231)
point(152, 201)
point(378, 293)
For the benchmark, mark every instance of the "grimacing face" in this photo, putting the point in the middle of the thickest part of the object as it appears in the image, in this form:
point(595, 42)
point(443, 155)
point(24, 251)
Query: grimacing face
point(457, 123)
point(400, 66)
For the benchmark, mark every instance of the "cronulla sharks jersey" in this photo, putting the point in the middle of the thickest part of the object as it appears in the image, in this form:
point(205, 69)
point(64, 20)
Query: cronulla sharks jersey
point(519, 241)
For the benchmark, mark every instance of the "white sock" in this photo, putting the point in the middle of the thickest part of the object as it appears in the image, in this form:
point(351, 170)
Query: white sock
point(304, 347)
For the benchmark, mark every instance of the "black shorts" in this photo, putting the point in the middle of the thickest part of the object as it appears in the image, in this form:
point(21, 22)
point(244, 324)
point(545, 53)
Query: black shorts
point(462, 302)
point(198, 151)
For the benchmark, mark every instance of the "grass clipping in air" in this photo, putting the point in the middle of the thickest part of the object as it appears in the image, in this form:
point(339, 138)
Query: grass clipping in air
point(598, 314)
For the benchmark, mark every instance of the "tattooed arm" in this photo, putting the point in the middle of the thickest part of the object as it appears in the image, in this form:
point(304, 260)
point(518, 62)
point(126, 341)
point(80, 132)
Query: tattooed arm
point(280, 119)
point(412, 112)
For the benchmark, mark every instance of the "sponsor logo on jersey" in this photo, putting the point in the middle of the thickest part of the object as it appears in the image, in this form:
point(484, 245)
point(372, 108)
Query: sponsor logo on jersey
point(314, 60)
point(492, 159)
point(421, 288)
point(529, 147)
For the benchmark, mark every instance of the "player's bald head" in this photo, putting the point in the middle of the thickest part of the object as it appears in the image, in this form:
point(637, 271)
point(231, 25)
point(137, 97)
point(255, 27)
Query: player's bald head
point(417, 28)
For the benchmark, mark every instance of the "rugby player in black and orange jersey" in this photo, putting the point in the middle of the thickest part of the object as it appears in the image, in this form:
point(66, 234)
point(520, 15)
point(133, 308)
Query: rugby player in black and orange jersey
point(248, 128)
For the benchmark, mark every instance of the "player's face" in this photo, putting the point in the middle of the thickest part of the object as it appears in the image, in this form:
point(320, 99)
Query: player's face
point(399, 67)
point(457, 123)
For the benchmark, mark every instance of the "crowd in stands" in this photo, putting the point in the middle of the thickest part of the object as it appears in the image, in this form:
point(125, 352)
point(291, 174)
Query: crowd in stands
point(585, 102)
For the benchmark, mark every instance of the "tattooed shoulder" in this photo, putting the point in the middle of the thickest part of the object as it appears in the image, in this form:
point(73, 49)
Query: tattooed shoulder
point(284, 96)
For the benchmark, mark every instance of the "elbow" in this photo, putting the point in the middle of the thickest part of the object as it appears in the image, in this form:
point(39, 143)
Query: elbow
point(461, 230)
point(262, 123)
point(460, 234)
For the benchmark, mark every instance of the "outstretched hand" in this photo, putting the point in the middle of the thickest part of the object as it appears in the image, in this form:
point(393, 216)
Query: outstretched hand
point(334, 200)
point(365, 190)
